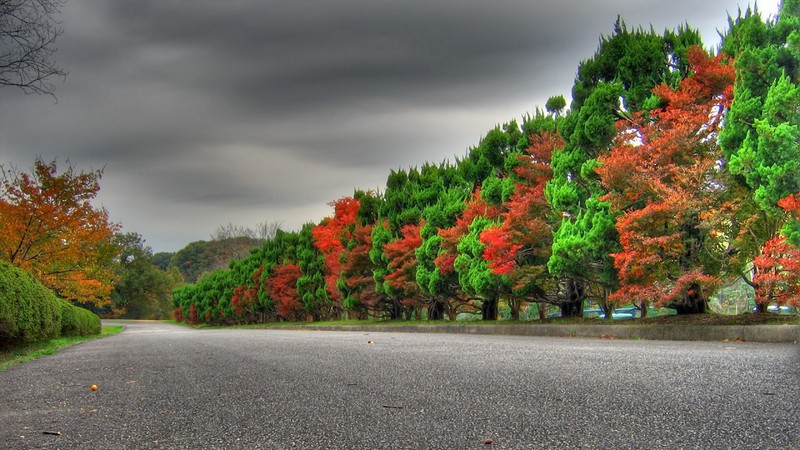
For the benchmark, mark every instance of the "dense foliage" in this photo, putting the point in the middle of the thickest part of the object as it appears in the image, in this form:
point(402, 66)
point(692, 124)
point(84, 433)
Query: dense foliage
point(30, 312)
point(674, 172)
point(77, 321)
point(142, 290)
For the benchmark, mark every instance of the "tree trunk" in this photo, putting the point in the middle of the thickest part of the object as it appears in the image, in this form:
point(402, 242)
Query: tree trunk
point(608, 310)
point(452, 314)
point(515, 305)
point(572, 306)
point(607, 306)
point(690, 307)
point(489, 308)
point(693, 302)
point(395, 310)
point(643, 307)
point(542, 307)
point(436, 310)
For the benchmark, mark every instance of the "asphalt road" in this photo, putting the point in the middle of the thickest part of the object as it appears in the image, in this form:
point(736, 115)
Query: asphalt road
point(163, 386)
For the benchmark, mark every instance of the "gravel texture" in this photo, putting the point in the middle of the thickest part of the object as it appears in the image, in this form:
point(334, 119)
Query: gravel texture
point(164, 386)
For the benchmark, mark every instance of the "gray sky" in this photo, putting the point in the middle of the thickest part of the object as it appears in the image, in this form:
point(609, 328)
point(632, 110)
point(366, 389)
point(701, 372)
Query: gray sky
point(244, 111)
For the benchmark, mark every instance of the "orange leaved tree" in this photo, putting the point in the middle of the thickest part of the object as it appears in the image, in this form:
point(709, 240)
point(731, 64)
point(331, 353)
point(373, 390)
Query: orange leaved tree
point(665, 179)
point(776, 274)
point(330, 237)
point(792, 229)
point(49, 228)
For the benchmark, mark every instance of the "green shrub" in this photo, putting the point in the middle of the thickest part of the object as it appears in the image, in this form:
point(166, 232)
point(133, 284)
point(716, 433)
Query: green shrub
point(77, 321)
point(29, 312)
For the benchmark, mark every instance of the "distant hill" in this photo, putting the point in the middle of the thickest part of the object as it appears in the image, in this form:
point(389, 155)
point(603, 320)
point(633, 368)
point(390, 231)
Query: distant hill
point(201, 257)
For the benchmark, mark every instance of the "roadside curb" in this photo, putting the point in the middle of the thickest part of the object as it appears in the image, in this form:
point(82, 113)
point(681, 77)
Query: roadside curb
point(788, 334)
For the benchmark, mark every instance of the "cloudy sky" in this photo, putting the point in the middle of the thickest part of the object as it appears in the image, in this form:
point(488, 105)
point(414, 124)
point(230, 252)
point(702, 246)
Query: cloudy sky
point(206, 112)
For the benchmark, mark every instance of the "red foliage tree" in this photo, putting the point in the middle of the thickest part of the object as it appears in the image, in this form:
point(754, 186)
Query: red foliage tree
point(403, 264)
point(330, 237)
point(520, 246)
point(524, 228)
point(475, 207)
point(792, 230)
point(663, 177)
point(357, 281)
point(776, 274)
point(282, 289)
point(457, 299)
point(776, 270)
point(792, 205)
point(245, 297)
point(193, 319)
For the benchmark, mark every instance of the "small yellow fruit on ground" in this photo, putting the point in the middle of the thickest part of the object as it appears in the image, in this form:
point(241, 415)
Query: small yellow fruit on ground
point(93, 387)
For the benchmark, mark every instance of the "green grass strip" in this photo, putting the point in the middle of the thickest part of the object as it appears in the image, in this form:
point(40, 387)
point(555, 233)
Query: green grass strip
point(29, 352)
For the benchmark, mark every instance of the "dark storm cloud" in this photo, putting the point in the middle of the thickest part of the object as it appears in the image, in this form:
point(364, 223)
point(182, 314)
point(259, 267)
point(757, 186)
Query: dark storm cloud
point(208, 112)
point(274, 58)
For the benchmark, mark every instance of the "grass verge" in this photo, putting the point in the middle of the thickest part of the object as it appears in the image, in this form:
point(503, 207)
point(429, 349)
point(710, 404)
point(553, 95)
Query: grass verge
point(29, 352)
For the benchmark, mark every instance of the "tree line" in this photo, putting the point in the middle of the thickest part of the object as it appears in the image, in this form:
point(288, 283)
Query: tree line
point(674, 171)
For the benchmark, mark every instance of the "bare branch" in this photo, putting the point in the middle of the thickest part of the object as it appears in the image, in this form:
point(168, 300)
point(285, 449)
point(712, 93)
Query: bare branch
point(267, 230)
point(231, 231)
point(262, 231)
point(28, 31)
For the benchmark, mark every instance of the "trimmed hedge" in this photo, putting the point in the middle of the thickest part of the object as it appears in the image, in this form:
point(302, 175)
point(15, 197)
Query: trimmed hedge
point(30, 312)
point(77, 321)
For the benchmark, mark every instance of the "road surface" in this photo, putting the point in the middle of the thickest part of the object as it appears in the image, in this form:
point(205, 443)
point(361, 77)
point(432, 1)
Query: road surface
point(171, 387)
